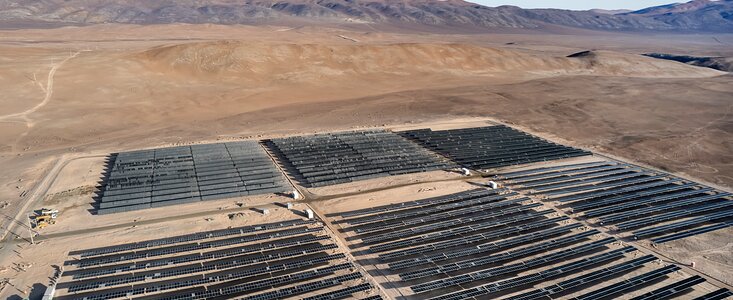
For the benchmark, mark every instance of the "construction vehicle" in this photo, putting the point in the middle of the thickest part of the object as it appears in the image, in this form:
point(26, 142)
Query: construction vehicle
point(45, 217)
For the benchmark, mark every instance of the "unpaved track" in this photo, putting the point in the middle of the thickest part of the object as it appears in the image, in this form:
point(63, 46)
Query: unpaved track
point(49, 94)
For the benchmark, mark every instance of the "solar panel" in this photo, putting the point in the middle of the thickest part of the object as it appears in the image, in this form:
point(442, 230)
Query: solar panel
point(671, 290)
point(684, 234)
point(481, 248)
point(146, 264)
point(342, 293)
point(496, 258)
point(642, 178)
point(563, 172)
point(569, 180)
point(542, 170)
point(189, 237)
point(461, 236)
point(496, 214)
point(192, 268)
point(625, 285)
point(525, 280)
point(660, 190)
point(384, 217)
point(522, 266)
point(683, 224)
point(228, 289)
point(716, 295)
point(304, 288)
point(674, 215)
point(471, 194)
point(95, 261)
point(468, 209)
point(555, 290)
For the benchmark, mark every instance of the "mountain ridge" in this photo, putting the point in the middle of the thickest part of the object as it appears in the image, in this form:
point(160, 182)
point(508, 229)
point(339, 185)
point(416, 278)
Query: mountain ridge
point(697, 15)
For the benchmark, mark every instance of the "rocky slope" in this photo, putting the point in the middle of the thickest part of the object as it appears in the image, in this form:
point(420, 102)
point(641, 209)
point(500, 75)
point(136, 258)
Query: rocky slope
point(701, 15)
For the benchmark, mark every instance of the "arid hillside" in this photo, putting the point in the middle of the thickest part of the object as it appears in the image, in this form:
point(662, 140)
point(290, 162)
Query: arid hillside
point(301, 62)
point(455, 15)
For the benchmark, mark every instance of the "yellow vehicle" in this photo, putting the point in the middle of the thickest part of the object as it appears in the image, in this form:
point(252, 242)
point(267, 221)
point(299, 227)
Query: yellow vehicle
point(45, 217)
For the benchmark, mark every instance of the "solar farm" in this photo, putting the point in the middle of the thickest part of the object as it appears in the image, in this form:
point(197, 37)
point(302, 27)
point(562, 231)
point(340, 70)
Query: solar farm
point(499, 244)
point(532, 219)
point(295, 258)
point(634, 201)
point(169, 176)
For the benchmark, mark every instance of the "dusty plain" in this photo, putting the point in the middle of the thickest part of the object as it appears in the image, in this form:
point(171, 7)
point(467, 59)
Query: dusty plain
point(72, 95)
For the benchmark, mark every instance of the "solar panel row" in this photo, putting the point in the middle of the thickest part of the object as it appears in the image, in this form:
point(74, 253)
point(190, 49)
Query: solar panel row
point(542, 171)
point(532, 278)
point(386, 218)
point(116, 258)
point(497, 258)
point(672, 290)
point(148, 264)
point(304, 288)
point(516, 268)
point(342, 293)
point(556, 290)
point(634, 282)
point(189, 237)
point(228, 289)
point(193, 268)
point(436, 216)
point(496, 216)
point(458, 236)
point(472, 194)
point(481, 248)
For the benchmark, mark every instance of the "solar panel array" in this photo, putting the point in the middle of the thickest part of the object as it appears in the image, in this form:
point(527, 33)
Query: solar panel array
point(647, 204)
point(295, 258)
point(168, 176)
point(333, 158)
point(487, 244)
point(491, 147)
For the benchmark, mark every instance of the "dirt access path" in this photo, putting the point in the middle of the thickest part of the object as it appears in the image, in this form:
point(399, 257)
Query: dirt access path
point(48, 89)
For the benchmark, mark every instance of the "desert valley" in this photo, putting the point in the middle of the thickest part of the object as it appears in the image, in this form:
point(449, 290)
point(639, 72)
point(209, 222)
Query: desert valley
point(397, 149)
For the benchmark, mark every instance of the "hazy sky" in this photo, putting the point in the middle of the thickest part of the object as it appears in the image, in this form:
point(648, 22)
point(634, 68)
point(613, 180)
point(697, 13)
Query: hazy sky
point(577, 4)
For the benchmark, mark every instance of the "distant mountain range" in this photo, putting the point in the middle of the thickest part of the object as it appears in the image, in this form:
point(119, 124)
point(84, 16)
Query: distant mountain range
point(695, 16)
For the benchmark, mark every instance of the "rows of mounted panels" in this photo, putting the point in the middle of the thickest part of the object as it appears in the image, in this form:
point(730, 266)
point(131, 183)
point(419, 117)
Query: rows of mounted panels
point(290, 259)
point(497, 244)
point(491, 147)
point(334, 158)
point(176, 175)
point(644, 203)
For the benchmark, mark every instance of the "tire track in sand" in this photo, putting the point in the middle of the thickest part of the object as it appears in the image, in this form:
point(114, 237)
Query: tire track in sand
point(49, 94)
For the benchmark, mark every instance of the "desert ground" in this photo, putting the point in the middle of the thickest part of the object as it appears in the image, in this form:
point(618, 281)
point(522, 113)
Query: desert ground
point(73, 95)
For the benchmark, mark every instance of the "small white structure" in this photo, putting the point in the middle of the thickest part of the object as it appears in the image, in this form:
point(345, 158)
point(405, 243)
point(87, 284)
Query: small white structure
point(296, 195)
point(309, 214)
point(466, 171)
point(289, 205)
point(264, 211)
point(492, 185)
